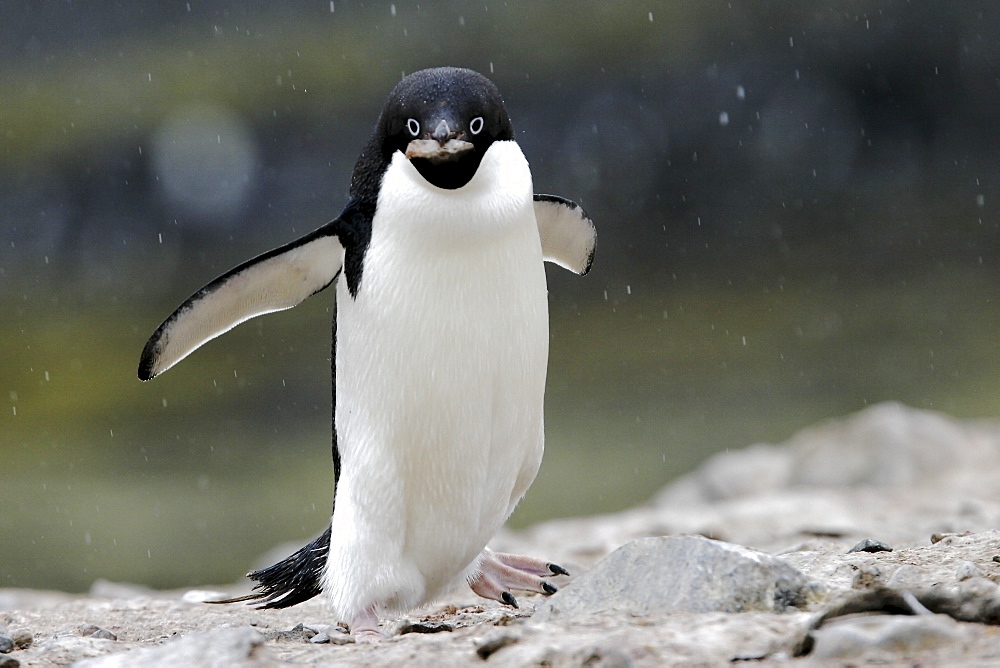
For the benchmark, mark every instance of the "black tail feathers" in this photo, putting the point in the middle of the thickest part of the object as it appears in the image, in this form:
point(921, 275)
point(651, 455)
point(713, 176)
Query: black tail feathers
point(290, 581)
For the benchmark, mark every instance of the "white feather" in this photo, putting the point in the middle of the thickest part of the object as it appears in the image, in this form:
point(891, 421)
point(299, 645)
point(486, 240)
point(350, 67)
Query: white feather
point(441, 363)
point(275, 281)
point(568, 235)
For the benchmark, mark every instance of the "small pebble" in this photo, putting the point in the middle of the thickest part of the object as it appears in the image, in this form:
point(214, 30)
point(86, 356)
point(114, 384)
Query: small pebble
point(967, 570)
point(6, 644)
point(871, 545)
point(297, 633)
point(940, 536)
point(22, 638)
point(867, 577)
point(9, 662)
point(93, 631)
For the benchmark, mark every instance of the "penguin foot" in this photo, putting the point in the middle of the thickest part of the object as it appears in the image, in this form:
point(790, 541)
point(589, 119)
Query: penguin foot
point(500, 572)
point(364, 628)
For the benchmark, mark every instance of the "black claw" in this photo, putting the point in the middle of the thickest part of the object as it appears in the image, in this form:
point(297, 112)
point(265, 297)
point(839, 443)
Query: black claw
point(557, 569)
point(548, 589)
point(509, 599)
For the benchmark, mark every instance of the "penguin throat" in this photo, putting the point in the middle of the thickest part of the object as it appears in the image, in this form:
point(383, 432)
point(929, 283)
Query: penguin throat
point(450, 174)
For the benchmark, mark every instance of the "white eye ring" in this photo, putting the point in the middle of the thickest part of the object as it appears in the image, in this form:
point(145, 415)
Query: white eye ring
point(476, 126)
point(413, 126)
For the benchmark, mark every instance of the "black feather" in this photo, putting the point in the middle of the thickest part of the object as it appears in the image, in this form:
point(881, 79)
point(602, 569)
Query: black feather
point(290, 581)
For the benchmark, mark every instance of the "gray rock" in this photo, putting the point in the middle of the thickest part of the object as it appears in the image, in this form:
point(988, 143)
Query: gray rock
point(22, 637)
point(967, 570)
point(602, 657)
point(754, 469)
point(681, 573)
point(871, 545)
point(424, 627)
point(6, 644)
point(886, 444)
point(242, 646)
point(487, 649)
point(884, 636)
point(297, 633)
point(67, 649)
point(753, 498)
point(868, 576)
point(906, 577)
point(93, 631)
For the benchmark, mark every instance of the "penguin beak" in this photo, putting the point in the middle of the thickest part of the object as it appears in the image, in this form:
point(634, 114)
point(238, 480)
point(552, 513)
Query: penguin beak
point(444, 145)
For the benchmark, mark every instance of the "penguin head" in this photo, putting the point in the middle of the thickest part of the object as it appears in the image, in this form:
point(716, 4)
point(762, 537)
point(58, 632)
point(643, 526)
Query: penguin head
point(443, 120)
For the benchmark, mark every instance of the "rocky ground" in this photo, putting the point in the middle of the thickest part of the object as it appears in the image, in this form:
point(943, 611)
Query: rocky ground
point(870, 539)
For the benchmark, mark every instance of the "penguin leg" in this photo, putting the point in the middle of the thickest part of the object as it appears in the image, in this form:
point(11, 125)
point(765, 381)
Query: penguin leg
point(499, 572)
point(364, 628)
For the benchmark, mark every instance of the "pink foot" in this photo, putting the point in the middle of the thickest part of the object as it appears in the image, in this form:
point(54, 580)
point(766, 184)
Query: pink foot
point(365, 627)
point(500, 572)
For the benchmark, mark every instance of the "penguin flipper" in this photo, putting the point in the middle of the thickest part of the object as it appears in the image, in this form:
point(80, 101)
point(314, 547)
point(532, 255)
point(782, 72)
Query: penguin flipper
point(568, 234)
point(273, 281)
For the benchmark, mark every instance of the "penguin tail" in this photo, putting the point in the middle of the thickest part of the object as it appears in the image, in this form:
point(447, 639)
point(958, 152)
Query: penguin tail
point(292, 580)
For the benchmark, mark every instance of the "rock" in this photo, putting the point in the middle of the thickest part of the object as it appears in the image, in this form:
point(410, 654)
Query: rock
point(967, 570)
point(22, 638)
point(222, 647)
point(755, 469)
point(67, 649)
point(7, 661)
point(425, 627)
point(329, 634)
point(906, 577)
point(31, 599)
point(297, 633)
point(886, 444)
point(871, 545)
point(6, 644)
point(494, 645)
point(973, 600)
point(681, 573)
point(644, 601)
point(93, 631)
point(886, 637)
point(105, 589)
point(597, 657)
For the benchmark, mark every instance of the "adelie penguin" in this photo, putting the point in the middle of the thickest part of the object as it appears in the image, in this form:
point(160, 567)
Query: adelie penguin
point(440, 352)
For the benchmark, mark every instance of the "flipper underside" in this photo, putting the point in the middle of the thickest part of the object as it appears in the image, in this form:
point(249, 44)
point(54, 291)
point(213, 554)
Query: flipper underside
point(567, 233)
point(274, 281)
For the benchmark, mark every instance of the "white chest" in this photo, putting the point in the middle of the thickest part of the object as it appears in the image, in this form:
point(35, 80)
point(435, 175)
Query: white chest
point(441, 363)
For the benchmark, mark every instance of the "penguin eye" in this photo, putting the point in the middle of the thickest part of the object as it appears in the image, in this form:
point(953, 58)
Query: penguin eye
point(413, 126)
point(476, 126)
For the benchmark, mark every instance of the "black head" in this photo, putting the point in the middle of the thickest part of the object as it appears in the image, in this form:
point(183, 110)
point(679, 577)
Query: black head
point(443, 120)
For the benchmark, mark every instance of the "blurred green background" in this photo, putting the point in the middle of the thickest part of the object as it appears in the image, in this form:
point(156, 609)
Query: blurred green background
point(795, 202)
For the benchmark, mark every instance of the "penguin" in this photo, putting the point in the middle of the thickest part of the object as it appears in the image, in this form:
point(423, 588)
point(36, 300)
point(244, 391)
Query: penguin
point(440, 352)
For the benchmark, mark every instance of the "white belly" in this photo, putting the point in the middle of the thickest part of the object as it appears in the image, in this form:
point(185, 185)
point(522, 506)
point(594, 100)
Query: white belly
point(441, 364)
